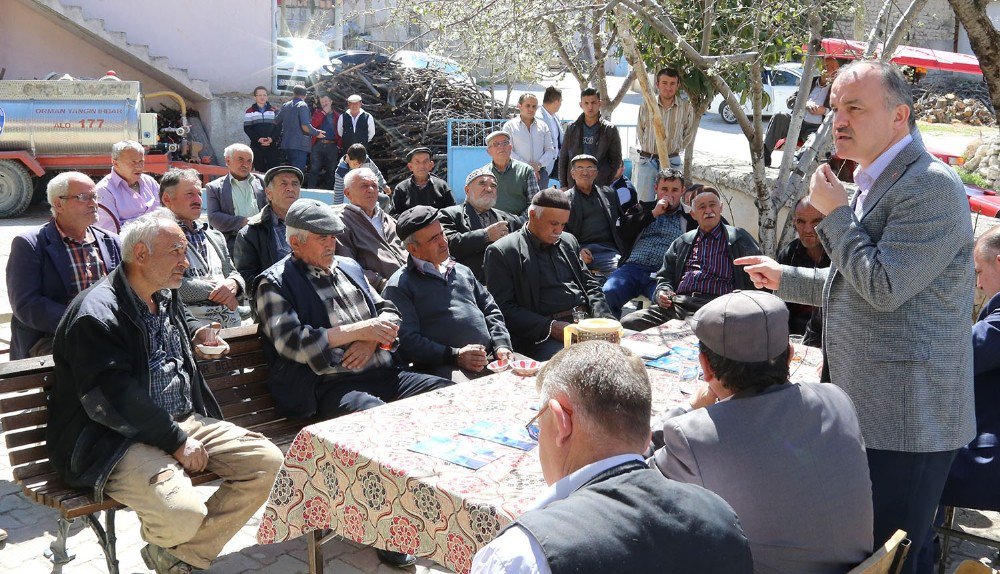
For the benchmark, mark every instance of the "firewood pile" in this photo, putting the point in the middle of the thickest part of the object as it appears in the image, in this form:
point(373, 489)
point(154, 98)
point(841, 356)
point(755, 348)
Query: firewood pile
point(949, 108)
point(411, 108)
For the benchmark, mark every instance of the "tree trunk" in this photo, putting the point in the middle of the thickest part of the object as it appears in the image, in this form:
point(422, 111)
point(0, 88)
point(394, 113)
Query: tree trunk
point(985, 41)
point(649, 100)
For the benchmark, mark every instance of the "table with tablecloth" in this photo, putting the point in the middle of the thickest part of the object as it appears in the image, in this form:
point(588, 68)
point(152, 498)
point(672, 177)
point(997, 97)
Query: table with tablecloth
point(355, 475)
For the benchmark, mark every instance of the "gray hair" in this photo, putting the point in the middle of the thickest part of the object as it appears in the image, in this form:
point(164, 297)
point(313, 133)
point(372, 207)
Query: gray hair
point(174, 177)
point(536, 210)
point(607, 383)
point(118, 148)
point(897, 89)
point(233, 148)
point(144, 230)
point(59, 186)
point(291, 232)
point(354, 174)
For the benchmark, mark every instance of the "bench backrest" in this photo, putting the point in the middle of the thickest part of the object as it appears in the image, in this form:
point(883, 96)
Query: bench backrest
point(238, 382)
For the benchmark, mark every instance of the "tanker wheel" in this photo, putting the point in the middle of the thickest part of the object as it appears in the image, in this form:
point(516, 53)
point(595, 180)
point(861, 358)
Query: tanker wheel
point(15, 188)
point(41, 183)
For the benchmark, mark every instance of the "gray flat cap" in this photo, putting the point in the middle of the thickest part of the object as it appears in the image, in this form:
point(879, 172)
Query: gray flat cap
point(479, 172)
point(313, 216)
point(744, 326)
point(282, 169)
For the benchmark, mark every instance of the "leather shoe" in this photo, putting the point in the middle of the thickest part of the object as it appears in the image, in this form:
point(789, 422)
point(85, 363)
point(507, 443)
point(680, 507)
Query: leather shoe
point(162, 562)
point(396, 559)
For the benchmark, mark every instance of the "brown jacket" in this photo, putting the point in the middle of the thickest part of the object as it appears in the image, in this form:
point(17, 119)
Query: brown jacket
point(379, 256)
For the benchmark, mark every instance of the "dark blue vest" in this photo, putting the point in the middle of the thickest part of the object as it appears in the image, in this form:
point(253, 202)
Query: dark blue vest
point(292, 384)
point(631, 519)
point(350, 136)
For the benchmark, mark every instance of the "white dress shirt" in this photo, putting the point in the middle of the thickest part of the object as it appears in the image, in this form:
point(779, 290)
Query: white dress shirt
point(516, 551)
point(354, 123)
point(865, 178)
point(532, 144)
point(554, 123)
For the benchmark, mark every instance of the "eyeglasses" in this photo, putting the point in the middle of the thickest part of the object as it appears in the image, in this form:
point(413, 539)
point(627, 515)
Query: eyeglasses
point(585, 168)
point(81, 197)
point(503, 143)
point(532, 427)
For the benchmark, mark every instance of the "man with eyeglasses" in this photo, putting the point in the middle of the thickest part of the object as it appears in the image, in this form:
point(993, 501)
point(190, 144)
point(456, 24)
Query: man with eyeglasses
point(605, 510)
point(593, 219)
point(516, 181)
point(51, 264)
point(126, 193)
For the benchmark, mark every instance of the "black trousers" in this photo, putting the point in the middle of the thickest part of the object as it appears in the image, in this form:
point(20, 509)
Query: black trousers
point(777, 128)
point(265, 157)
point(906, 488)
point(357, 392)
point(322, 165)
point(684, 306)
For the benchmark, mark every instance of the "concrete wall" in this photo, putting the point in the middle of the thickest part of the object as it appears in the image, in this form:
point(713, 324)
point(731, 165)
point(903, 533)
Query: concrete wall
point(31, 46)
point(224, 42)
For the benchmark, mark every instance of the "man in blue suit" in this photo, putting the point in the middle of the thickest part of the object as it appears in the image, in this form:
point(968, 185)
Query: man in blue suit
point(51, 264)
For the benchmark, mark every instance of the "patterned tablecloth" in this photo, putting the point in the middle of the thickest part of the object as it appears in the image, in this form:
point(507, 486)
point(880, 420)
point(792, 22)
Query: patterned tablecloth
point(355, 475)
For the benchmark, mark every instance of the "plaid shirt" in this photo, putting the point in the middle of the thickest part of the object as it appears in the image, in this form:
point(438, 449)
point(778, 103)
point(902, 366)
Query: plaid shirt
point(708, 268)
point(345, 305)
point(85, 262)
point(196, 238)
point(169, 382)
point(656, 237)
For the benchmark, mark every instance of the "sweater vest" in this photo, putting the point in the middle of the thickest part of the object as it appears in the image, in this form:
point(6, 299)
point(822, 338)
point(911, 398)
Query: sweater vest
point(631, 518)
point(352, 136)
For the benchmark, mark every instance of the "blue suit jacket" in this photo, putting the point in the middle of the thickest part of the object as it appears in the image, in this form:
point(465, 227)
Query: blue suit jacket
point(39, 282)
point(974, 474)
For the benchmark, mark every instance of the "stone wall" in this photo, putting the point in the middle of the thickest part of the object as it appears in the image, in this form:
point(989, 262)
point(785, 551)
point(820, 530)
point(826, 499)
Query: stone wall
point(986, 162)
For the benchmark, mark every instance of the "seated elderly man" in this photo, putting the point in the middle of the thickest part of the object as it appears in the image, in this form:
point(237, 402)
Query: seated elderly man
point(698, 266)
point(516, 181)
point(51, 264)
point(262, 242)
point(234, 198)
point(538, 280)
point(789, 458)
point(593, 219)
point(135, 415)
point(605, 510)
point(211, 284)
point(422, 187)
point(126, 193)
point(805, 250)
point(651, 226)
point(475, 224)
point(450, 324)
point(369, 236)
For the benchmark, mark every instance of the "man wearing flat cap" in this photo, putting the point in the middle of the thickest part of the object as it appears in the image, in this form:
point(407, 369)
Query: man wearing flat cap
point(422, 187)
point(356, 126)
point(516, 181)
point(538, 280)
point(451, 327)
point(593, 219)
point(789, 458)
point(473, 225)
point(262, 241)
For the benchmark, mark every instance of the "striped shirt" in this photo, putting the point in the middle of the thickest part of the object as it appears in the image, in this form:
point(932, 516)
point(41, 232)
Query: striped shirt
point(345, 305)
point(678, 122)
point(708, 268)
point(85, 261)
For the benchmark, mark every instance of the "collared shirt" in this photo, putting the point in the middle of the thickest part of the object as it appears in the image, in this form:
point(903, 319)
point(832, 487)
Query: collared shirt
point(486, 218)
point(516, 551)
point(531, 143)
point(280, 241)
point(656, 237)
point(558, 290)
point(244, 198)
point(345, 305)
point(123, 202)
point(376, 220)
point(354, 123)
point(85, 260)
point(708, 268)
point(865, 178)
point(195, 235)
point(817, 97)
point(554, 123)
point(169, 381)
point(428, 268)
point(678, 122)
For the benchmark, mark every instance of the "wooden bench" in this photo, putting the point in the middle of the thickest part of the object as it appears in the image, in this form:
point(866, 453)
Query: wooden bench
point(237, 380)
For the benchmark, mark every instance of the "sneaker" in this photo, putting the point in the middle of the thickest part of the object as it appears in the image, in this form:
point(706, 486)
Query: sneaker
point(396, 559)
point(162, 562)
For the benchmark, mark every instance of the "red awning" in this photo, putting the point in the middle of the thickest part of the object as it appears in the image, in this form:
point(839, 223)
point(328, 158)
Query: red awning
point(906, 56)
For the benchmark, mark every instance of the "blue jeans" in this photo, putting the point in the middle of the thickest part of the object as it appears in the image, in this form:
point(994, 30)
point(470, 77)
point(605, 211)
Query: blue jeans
point(644, 170)
point(297, 158)
point(628, 281)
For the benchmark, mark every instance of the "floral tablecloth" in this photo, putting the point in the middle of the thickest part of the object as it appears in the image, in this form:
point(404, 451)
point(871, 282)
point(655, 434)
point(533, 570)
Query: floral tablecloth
point(354, 474)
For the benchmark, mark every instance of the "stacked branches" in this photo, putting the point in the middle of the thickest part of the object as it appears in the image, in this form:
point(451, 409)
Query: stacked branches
point(411, 108)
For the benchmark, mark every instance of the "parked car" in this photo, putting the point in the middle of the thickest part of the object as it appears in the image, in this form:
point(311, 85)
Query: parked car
point(780, 82)
point(450, 67)
point(343, 59)
point(295, 60)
